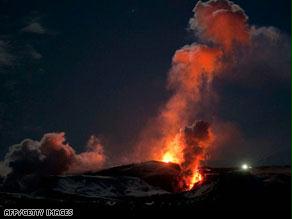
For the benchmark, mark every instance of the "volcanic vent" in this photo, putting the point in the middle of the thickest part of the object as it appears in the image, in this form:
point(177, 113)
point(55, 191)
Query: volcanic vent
point(173, 136)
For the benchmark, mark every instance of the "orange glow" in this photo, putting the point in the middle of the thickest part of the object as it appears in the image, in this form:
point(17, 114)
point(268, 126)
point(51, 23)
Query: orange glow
point(222, 22)
point(196, 177)
point(169, 158)
point(172, 136)
point(173, 153)
point(178, 150)
point(193, 66)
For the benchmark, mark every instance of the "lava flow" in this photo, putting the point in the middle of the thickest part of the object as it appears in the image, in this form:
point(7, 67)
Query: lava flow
point(194, 177)
point(188, 149)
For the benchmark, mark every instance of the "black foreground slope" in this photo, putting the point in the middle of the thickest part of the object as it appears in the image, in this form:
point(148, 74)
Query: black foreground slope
point(151, 186)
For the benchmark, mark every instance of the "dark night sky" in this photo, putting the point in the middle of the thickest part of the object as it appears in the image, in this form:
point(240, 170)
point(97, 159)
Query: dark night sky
point(99, 67)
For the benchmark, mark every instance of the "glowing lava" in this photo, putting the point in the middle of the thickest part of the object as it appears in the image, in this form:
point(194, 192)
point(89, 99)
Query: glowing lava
point(168, 158)
point(190, 181)
point(173, 153)
point(196, 178)
point(179, 152)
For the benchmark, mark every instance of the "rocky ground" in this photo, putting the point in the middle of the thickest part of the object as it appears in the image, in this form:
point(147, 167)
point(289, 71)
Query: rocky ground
point(152, 186)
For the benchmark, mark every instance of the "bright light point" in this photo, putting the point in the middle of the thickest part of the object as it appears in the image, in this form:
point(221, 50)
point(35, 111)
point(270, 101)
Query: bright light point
point(167, 158)
point(245, 166)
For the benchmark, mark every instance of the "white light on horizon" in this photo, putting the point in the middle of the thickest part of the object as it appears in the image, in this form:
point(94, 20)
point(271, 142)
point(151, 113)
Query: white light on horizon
point(245, 166)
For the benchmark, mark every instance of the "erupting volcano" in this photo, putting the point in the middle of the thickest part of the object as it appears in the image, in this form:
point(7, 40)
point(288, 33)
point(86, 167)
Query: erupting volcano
point(192, 124)
point(174, 137)
point(182, 131)
point(188, 149)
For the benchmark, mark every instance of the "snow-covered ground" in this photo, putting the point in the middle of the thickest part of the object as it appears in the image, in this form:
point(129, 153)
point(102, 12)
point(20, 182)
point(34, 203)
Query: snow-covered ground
point(106, 186)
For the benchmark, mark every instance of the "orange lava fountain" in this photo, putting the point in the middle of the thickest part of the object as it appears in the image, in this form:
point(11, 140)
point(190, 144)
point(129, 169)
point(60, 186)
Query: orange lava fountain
point(188, 149)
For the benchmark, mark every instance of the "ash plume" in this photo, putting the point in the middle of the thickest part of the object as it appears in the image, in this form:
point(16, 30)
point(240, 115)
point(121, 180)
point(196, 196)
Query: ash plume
point(195, 141)
point(222, 33)
point(50, 156)
point(194, 137)
point(227, 50)
point(222, 27)
point(89, 161)
point(221, 22)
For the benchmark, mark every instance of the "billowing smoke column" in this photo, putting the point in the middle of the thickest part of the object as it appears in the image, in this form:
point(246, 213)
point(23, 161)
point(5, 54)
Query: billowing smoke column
point(175, 135)
point(221, 26)
point(50, 156)
point(221, 22)
point(196, 139)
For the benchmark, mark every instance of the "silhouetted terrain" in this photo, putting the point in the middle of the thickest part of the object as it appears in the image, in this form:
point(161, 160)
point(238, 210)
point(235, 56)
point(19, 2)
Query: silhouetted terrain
point(151, 186)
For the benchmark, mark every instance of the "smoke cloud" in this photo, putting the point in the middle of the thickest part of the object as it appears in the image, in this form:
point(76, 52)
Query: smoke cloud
point(222, 27)
point(221, 22)
point(268, 58)
point(50, 156)
point(196, 140)
point(223, 33)
point(195, 137)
